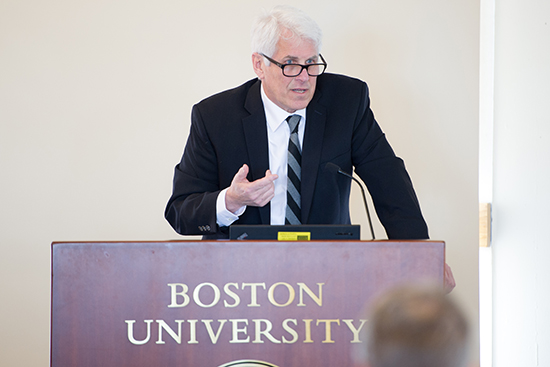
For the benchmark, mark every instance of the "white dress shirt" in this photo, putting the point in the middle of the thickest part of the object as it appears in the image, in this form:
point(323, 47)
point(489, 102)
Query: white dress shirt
point(278, 134)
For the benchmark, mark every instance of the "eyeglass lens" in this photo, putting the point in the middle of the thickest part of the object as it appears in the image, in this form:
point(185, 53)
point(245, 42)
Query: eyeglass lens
point(295, 70)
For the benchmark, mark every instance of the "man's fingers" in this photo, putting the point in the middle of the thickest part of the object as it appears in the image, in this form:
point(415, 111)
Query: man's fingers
point(255, 193)
point(270, 176)
point(241, 173)
point(261, 191)
point(449, 280)
point(264, 196)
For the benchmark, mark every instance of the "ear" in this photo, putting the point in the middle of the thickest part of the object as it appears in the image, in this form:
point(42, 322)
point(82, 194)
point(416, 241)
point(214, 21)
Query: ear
point(258, 65)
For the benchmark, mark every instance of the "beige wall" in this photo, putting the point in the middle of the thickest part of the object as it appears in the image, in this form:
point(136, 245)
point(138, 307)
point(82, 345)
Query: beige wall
point(95, 98)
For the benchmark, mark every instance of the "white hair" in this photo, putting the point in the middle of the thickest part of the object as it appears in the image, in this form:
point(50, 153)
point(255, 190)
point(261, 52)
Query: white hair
point(283, 21)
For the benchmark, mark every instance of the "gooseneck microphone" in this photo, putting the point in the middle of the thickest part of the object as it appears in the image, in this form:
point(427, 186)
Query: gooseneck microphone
point(333, 168)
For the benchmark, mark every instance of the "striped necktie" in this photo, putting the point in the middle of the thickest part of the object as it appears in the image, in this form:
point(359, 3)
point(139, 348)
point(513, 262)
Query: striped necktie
point(294, 174)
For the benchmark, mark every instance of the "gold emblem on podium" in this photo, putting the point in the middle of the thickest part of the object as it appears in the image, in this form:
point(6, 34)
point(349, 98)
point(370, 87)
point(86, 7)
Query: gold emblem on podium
point(248, 363)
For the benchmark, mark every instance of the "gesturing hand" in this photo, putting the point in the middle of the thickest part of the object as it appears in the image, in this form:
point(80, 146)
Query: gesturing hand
point(243, 192)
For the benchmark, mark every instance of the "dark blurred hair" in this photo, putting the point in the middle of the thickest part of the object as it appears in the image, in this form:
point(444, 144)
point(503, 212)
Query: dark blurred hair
point(416, 326)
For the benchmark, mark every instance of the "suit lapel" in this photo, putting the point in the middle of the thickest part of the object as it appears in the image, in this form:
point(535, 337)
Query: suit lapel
point(311, 153)
point(255, 132)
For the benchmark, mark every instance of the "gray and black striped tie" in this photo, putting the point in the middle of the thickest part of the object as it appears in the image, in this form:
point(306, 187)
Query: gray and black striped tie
point(293, 196)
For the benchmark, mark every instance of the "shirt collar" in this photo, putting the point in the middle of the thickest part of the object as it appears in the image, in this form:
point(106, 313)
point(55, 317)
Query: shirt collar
point(274, 114)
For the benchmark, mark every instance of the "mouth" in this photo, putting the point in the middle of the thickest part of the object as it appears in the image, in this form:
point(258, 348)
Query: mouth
point(299, 90)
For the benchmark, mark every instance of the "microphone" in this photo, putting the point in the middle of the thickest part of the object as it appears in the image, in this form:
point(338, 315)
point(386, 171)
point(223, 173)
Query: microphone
point(333, 168)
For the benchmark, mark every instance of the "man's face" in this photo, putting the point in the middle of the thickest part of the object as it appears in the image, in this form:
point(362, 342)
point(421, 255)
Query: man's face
point(289, 93)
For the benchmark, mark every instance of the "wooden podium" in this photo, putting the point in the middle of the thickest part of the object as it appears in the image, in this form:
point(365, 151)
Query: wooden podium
point(223, 303)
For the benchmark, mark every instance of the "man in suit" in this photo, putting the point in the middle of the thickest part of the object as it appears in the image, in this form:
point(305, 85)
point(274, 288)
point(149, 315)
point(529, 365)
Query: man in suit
point(234, 169)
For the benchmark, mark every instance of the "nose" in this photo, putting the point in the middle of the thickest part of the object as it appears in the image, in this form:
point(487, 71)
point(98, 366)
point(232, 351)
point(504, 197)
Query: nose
point(303, 76)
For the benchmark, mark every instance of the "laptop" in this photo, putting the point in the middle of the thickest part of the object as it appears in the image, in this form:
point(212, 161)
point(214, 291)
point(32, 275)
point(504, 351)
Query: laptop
point(304, 232)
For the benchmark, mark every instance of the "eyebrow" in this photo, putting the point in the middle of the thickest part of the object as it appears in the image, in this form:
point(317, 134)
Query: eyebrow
point(294, 58)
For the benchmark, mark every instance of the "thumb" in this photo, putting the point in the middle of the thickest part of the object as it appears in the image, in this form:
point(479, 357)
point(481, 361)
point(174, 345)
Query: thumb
point(241, 173)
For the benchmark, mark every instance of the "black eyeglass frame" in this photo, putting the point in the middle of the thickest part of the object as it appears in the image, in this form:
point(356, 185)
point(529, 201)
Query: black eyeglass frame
point(282, 66)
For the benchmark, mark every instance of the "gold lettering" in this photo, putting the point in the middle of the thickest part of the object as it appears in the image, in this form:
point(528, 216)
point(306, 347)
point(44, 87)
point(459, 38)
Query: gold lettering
point(263, 330)
point(328, 329)
point(197, 290)
point(354, 330)
point(307, 338)
point(213, 336)
point(180, 294)
point(168, 329)
point(236, 331)
point(253, 293)
point(290, 331)
point(174, 295)
point(316, 299)
point(231, 294)
point(260, 332)
point(291, 294)
point(192, 332)
point(130, 327)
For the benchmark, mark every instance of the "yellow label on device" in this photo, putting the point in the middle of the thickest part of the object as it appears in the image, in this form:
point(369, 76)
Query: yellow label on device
point(294, 236)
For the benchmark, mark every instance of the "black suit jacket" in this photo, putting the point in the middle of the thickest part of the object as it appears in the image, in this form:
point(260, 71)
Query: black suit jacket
point(229, 129)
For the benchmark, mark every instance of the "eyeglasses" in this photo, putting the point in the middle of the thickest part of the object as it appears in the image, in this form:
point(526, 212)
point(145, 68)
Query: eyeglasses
point(292, 70)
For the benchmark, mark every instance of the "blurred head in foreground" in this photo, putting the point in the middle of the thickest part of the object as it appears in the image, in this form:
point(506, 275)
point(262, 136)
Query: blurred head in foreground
point(416, 326)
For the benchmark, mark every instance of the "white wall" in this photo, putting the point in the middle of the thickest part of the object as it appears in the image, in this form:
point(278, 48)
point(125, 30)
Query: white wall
point(521, 249)
point(95, 98)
